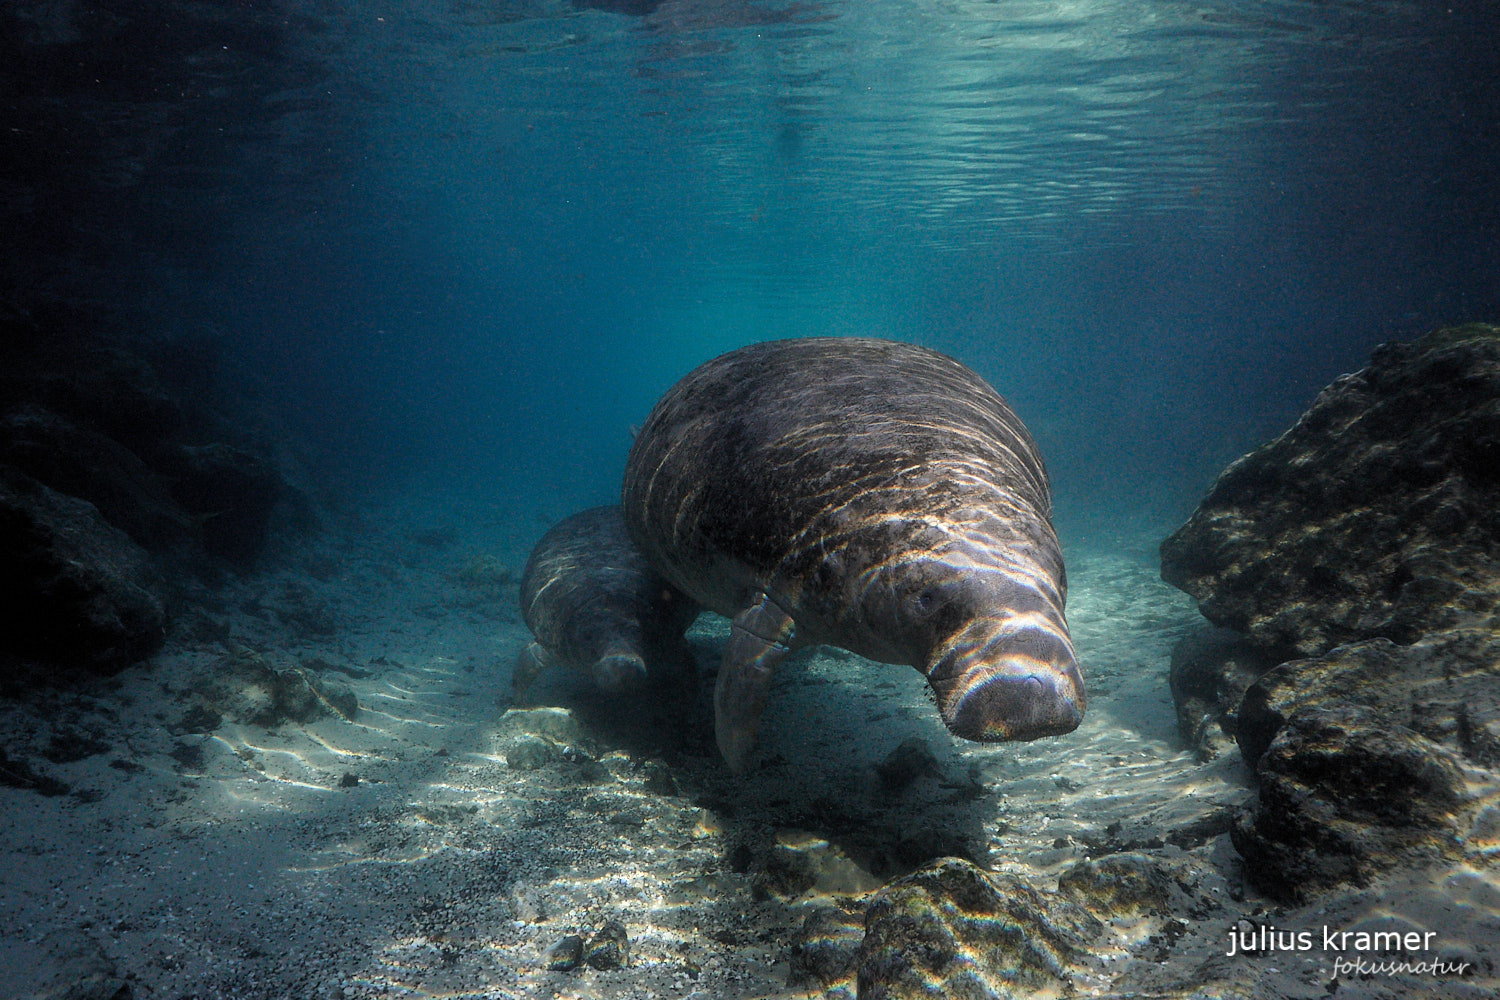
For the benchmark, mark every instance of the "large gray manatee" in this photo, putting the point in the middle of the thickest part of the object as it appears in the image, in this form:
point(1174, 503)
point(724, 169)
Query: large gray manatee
point(866, 494)
point(595, 604)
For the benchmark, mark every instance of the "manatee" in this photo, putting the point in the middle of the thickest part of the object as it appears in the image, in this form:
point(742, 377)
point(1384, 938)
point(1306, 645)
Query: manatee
point(594, 604)
point(866, 494)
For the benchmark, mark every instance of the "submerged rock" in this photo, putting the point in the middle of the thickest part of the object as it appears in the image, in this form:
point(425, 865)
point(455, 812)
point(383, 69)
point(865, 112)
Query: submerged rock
point(252, 690)
point(565, 955)
point(825, 948)
point(954, 930)
point(1119, 884)
point(1446, 687)
point(76, 591)
point(1208, 677)
point(1343, 796)
point(608, 949)
point(1357, 557)
point(81, 462)
point(231, 492)
point(1376, 515)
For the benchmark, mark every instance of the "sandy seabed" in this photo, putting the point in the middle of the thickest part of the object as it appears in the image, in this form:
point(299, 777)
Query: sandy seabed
point(441, 841)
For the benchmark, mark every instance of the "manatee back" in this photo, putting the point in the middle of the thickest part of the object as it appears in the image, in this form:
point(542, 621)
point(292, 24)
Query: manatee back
point(767, 445)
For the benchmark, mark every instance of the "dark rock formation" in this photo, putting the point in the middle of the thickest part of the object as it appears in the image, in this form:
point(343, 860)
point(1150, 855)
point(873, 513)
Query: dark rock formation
point(73, 590)
point(608, 949)
point(118, 478)
point(1119, 885)
point(86, 411)
point(251, 690)
point(824, 949)
point(952, 929)
point(1362, 547)
point(87, 464)
point(565, 955)
point(1445, 687)
point(1376, 515)
point(1208, 677)
point(231, 492)
point(1343, 796)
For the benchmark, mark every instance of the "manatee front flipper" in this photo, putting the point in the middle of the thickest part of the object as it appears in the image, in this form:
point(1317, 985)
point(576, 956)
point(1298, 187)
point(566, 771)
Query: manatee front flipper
point(759, 639)
point(529, 665)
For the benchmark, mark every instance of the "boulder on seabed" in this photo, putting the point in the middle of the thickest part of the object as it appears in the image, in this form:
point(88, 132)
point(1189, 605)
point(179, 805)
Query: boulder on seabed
point(81, 462)
point(952, 929)
point(232, 493)
point(1357, 558)
point(1343, 797)
point(74, 591)
point(1445, 686)
point(1376, 515)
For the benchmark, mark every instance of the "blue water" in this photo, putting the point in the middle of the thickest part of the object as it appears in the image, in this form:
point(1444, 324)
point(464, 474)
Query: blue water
point(472, 242)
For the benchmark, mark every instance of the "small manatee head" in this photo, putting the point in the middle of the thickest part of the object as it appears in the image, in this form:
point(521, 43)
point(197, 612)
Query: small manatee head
point(1011, 676)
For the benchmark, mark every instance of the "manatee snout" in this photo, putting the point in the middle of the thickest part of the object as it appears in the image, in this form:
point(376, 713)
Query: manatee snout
point(617, 671)
point(1006, 690)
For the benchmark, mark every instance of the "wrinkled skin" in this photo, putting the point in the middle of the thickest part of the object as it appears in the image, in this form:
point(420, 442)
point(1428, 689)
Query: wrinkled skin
point(594, 604)
point(865, 494)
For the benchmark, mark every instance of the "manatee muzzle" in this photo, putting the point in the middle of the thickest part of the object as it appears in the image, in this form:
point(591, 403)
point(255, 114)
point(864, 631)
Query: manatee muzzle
point(619, 671)
point(1017, 686)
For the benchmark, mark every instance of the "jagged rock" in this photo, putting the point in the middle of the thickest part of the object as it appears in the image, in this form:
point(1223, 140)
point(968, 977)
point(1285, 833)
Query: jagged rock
point(824, 950)
point(232, 493)
point(952, 930)
point(85, 368)
point(565, 955)
point(608, 949)
point(252, 690)
point(1209, 675)
point(73, 589)
point(529, 753)
point(84, 463)
point(554, 724)
point(1376, 515)
point(1343, 796)
point(1446, 687)
point(1119, 884)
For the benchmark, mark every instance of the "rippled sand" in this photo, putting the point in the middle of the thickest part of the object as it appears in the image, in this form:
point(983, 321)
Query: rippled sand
point(441, 842)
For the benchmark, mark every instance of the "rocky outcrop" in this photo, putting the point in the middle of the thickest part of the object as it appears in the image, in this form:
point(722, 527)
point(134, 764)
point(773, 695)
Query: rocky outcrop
point(1356, 562)
point(73, 590)
point(1445, 687)
point(231, 494)
point(117, 477)
point(1376, 515)
point(87, 413)
point(249, 688)
point(92, 466)
point(1209, 676)
point(1344, 796)
point(953, 929)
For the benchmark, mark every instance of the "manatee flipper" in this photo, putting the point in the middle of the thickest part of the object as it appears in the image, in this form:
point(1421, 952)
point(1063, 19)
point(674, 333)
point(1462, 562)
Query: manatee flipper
point(759, 639)
point(530, 663)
